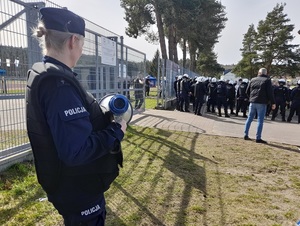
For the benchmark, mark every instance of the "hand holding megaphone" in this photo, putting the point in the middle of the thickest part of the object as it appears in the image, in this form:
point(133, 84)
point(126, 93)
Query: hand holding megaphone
point(119, 107)
point(123, 125)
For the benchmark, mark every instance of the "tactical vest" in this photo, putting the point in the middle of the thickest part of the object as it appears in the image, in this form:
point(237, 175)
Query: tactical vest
point(297, 94)
point(94, 177)
point(281, 92)
point(242, 90)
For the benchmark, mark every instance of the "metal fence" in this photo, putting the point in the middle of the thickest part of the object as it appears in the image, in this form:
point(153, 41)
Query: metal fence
point(165, 80)
point(19, 50)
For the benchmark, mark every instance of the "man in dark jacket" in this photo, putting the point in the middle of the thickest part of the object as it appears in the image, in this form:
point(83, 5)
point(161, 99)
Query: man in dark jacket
point(260, 93)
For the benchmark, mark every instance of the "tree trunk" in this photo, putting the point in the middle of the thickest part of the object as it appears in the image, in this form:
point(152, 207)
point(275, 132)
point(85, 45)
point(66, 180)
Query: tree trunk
point(161, 32)
point(184, 53)
point(171, 42)
point(175, 46)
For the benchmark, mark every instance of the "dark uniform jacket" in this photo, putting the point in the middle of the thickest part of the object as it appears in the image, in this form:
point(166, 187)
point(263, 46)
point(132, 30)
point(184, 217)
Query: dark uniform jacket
point(71, 139)
point(241, 91)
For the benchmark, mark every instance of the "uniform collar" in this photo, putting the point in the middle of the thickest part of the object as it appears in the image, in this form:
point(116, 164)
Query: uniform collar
point(48, 59)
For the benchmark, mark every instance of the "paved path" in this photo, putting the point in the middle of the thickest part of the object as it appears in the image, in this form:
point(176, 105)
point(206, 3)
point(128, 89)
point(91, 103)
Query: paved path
point(273, 131)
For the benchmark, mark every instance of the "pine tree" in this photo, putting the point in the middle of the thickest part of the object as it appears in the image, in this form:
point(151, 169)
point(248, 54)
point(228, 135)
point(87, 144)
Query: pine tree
point(154, 65)
point(247, 67)
point(274, 36)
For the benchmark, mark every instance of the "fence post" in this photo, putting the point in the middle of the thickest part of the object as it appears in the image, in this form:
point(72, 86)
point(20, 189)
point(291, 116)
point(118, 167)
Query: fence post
point(3, 83)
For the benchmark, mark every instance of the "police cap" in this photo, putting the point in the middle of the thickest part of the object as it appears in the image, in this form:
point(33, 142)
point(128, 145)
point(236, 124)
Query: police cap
point(62, 20)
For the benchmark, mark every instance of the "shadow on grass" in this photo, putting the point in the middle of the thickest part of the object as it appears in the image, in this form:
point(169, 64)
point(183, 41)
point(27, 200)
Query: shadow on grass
point(282, 147)
point(178, 160)
point(23, 201)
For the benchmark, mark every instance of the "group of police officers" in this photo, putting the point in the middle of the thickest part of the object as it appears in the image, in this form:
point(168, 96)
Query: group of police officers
point(232, 97)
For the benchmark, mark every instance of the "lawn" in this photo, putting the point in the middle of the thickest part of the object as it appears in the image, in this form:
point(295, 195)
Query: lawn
point(176, 179)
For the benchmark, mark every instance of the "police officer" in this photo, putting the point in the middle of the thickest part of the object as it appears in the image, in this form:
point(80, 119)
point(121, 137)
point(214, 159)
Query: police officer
point(242, 98)
point(231, 96)
point(77, 149)
point(185, 88)
point(177, 88)
point(212, 95)
point(176, 92)
point(222, 97)
point(295, 106)
point(199, 93)
point(281, 94)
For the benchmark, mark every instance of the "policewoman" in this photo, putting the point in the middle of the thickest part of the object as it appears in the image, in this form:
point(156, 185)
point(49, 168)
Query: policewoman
point(77, 149)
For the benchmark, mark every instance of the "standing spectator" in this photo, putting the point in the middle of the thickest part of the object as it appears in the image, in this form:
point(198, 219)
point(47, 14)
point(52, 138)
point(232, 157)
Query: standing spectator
point(76, 148)
point(295, 106)
point(260, 93)
point(138, 93)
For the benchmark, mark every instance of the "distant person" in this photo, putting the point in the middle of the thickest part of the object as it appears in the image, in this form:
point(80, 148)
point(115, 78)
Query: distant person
point(260, 92)
point(76, 147)
point(175, 87)
point(295, 106)
point(222, 96)
point(212, 96)
point(185, 88)
point(282, 97)
point(242, 98)
point(231, 93)
point(138, 93)
point(147, 86)
point(199, 93)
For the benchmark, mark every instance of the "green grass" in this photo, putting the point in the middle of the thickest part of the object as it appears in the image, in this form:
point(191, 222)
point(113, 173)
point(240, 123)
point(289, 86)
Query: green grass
point(177, 178)
point(12, 138)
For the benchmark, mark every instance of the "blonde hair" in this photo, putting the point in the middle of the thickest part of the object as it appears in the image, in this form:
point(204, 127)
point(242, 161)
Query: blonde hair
point(51, 39)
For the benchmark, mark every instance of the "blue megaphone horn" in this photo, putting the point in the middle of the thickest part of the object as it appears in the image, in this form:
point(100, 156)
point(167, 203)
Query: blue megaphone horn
point(118, 105)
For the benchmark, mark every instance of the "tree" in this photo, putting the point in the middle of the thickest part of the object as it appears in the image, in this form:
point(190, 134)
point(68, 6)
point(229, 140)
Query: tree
point(246, 67)
point(153, 70)
point(207, 64)
point(273, 46)
point(209, 21)
point(140, 15)
point(193, 22)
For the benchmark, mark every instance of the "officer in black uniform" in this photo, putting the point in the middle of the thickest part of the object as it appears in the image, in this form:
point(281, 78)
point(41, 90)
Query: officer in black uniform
point(199, 93)
point(185, 88)
point(231, 96)
point(281, 94)
point(222, 97)
point(212, 95)
point(77, 148)
point(295, 106)
point(179, 96)
point(242, 101)
point(176, 92)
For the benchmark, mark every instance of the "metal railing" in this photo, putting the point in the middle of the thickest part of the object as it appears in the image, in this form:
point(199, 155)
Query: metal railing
point(19, 50)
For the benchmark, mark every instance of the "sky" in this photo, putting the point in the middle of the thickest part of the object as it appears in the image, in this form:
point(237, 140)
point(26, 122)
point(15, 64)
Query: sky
point(240, 13)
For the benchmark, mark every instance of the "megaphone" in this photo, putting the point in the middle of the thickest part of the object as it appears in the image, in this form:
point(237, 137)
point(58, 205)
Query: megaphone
point(118, 105)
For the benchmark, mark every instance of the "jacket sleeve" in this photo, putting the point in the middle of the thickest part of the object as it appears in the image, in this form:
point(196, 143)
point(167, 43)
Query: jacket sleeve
point(71, 129)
